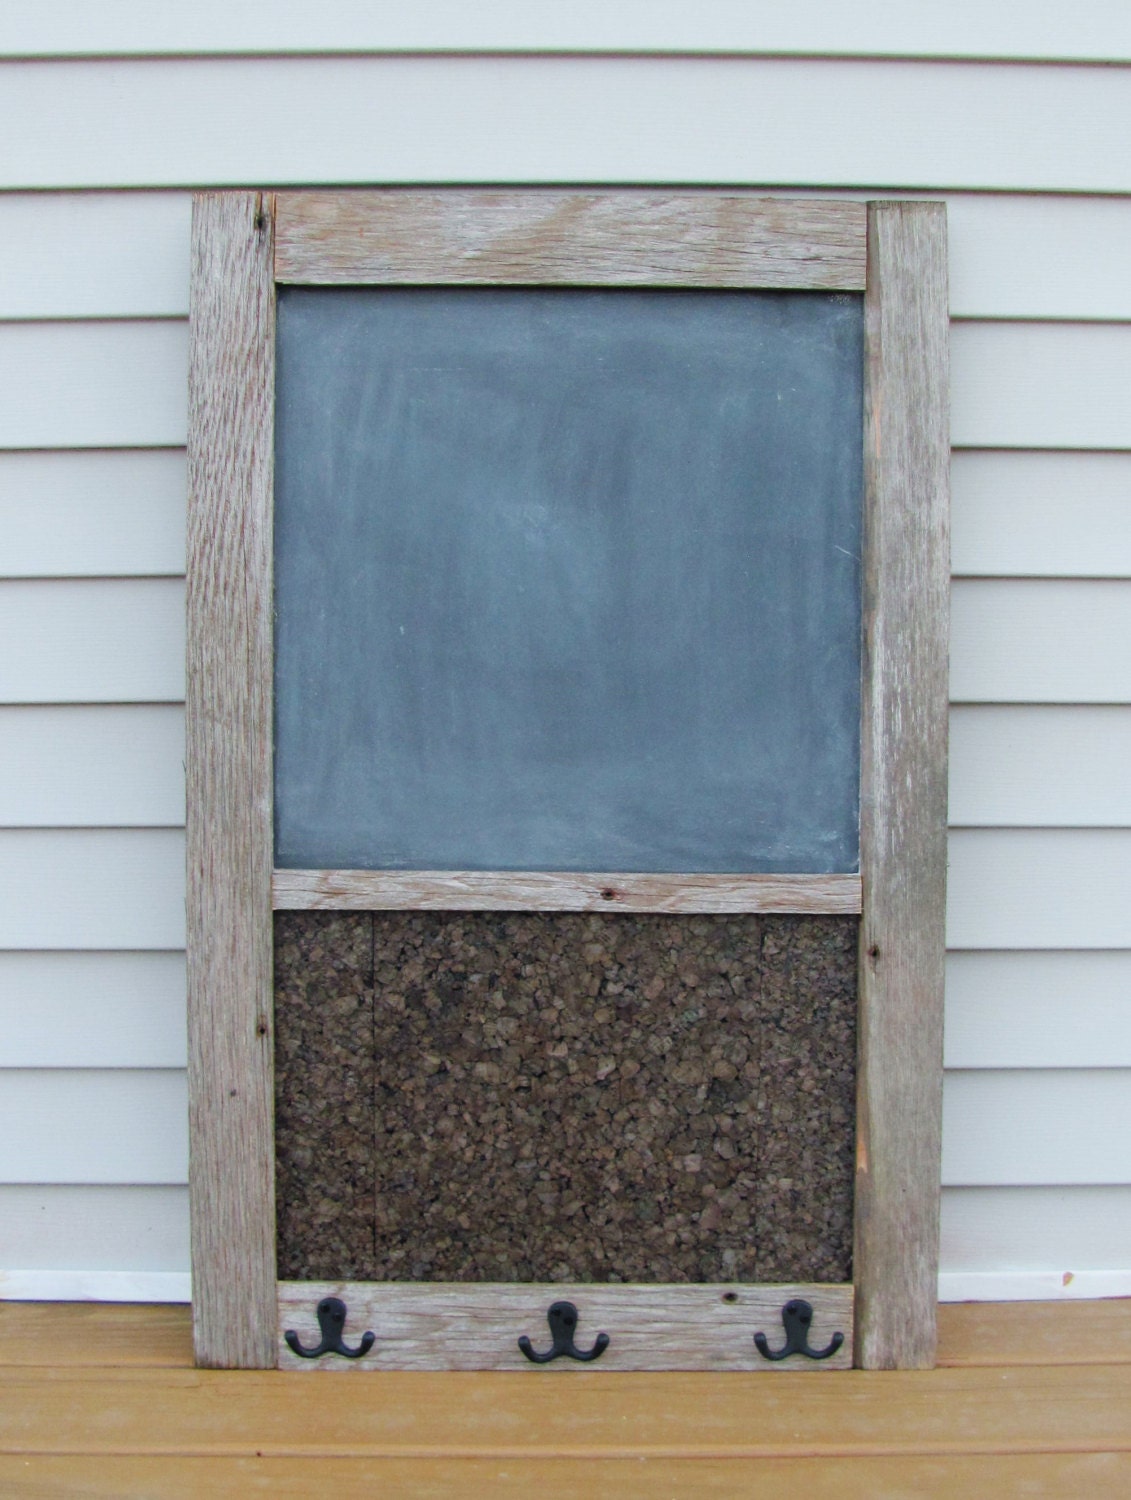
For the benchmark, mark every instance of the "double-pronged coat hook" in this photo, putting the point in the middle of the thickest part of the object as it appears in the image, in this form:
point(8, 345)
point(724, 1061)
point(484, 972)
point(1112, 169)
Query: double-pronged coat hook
point(797, 1318)
point(562, 1318)
point(331, 1323)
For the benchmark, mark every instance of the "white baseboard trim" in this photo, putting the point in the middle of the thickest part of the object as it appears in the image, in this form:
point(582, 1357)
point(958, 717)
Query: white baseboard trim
point(1031, 1286)
point(175, 1286)
point(95, 1286)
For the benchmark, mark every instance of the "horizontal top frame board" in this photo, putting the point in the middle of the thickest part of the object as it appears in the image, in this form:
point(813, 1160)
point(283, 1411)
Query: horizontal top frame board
point(542, 237)
point(247, 243)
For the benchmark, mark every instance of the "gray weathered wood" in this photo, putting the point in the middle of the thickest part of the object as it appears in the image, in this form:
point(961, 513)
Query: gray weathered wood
point(228, 762)
point(903, 786)
point(476, 890)
point(569, 238)
point(229, 750)
point(470, 1326)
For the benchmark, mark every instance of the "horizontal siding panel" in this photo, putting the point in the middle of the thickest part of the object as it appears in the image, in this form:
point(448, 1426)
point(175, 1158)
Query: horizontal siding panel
point(1042, 1229)
point(123, 1228)
point(1038, 1010)
point(88, 888)
point(127, 1010)
point(1040, 385)
point(1040, 641)
point(124, 889)
point(1056, 515)
point(1040, 767)
point(94, 255)
point(100, 766)
point(93, 1126)
point(92, 513)
point(1008, 28)
point(93, 385)
point(1037, 257)
point(1036, 888)
point(92, 767)
point(1004, 1010)
point(117, 640)
point(92, 641)
point(577, 119)
point(125, 255)
point(1040, 1128)
point(1059, 1229)
point(122, 384)
point(1000, 1128)
point(92, 1010)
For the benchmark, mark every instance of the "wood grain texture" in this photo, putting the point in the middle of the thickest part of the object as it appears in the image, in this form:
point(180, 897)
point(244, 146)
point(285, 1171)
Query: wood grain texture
point(296, 1477)
point(658, 1416)
point(133, 1421)
point(572, 239)
point(985, 1334)
point(228, 762)
point(903, 786)
point(1034, 1333)
point(95, 1333)
point(489, 890)
point(438, 1326)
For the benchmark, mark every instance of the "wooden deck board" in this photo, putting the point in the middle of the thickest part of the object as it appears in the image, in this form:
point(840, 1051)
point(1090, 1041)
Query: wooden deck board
point(84, 1478)
point(103, 1401)
point(991, 1410)
point(72, 1334)
point(1035, 1333)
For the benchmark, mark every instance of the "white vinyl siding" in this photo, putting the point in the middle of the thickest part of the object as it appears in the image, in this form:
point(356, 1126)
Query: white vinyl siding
point(496, 119)
point(96, 156)
point(1041, 29)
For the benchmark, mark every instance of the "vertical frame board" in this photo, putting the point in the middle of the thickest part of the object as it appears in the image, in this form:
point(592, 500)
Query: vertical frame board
point(903, 786)
point(242, 244)
point(228, 767)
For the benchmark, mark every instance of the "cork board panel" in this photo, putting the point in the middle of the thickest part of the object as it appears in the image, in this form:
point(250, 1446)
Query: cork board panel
point(324, 1082)
point(565, 1097)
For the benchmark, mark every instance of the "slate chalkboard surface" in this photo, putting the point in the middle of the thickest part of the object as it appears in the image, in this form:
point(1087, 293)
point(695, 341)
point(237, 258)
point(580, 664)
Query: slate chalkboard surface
point(567, 580)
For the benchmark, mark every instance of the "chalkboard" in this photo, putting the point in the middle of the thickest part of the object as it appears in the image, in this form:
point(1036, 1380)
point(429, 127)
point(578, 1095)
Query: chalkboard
point(568, 579)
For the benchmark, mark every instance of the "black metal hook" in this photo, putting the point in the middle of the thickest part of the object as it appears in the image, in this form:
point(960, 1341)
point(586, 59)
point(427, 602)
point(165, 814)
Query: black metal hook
point(797, 1317)
point(331, 1323)
point(562, 1318)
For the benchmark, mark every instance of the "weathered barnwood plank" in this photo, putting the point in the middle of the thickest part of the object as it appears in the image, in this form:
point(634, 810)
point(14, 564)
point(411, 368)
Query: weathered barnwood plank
point(228, 766)
point(903, 785)
point(464, 1326)
point(620, 238)
point(489, 890)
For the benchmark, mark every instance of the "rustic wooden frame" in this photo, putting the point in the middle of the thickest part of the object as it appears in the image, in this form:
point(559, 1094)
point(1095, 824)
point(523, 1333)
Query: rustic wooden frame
point(243, 244)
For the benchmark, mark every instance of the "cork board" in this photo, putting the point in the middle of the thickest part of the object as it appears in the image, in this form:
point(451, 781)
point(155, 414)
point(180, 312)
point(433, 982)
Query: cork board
point(498, 1097)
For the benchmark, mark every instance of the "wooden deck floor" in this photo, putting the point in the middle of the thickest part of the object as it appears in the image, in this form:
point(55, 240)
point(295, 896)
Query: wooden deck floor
point(1030, 1399)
